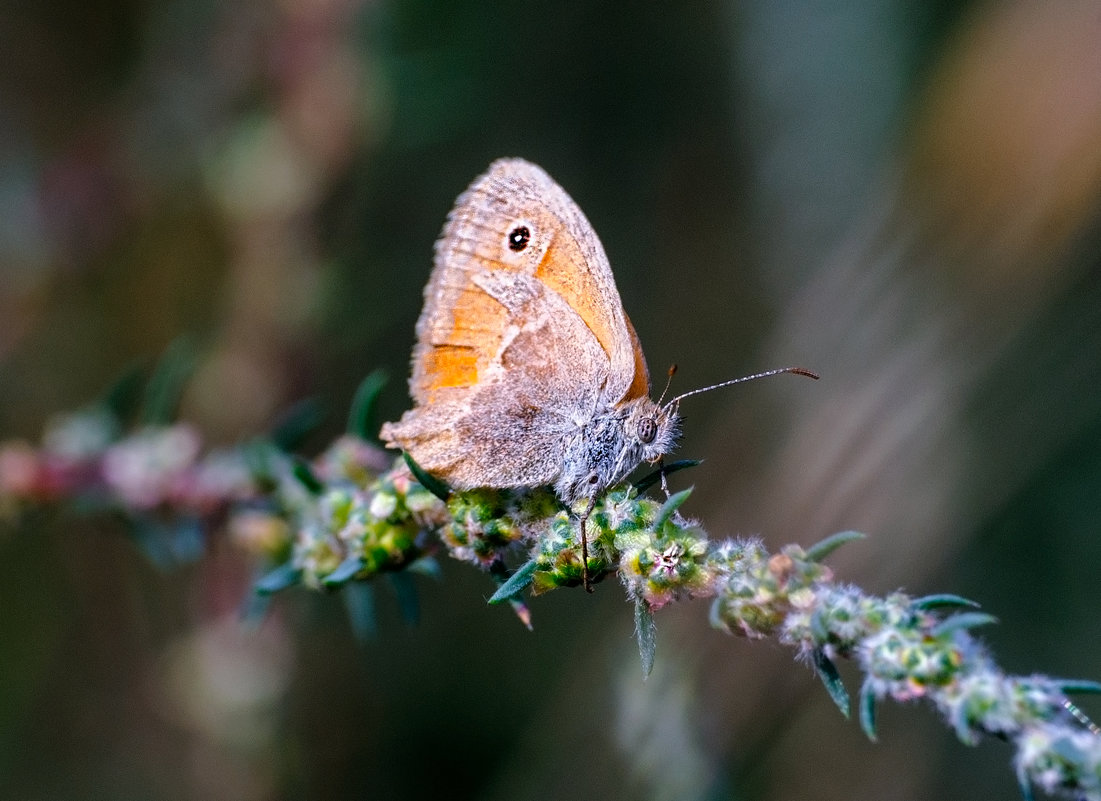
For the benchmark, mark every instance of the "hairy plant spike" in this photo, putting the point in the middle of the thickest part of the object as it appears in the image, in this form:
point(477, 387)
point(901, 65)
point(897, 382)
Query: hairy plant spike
point(353, 514)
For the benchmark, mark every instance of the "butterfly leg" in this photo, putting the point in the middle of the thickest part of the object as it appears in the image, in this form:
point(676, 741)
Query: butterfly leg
point(585, 546)
point(664, 482)
point(665, 488)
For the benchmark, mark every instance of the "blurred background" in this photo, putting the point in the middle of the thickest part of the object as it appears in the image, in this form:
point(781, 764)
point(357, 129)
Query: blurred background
point(902, 196)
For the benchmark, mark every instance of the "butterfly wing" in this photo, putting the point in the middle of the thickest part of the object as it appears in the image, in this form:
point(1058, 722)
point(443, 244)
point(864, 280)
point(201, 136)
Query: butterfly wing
point(522, 335)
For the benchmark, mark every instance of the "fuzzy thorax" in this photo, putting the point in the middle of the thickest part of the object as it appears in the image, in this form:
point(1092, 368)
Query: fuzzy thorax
point(613, 444)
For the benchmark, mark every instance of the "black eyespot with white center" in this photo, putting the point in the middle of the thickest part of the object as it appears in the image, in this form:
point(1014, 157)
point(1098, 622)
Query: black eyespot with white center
point(518, 238)
point(647, 429)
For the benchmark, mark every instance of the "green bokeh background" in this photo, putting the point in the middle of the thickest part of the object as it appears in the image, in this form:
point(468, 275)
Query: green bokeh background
point(902, 196)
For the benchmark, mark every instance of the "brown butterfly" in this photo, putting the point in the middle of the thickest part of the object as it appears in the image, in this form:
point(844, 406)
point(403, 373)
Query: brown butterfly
point(527, 371)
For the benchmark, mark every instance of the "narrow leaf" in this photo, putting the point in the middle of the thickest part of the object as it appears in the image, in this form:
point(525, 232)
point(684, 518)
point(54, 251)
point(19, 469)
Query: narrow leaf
point(297, 423)
point(964, 620)
point(715, 617)
point(165, 388)
point(827, 672)
point(522, 612)
point(650, 479)
point(516, 583)
point(646, 632)
point(405, 589)
point(286, 575)
point(818, 628)
point(1025, 785)
point(361, 417)
point(429, 482)
point(345, 571)
point(305, 475)
point(526, 572)
point(186, 540)
point(960, 722)
point(258, 455)
point(152, 540)
point(1078, 686)
point(941, 601)
point(867, 710)
point(426, 566)
point(670, 506)
point(254, 608)
point(124, 396)
point(820, 550)
point(359, 600)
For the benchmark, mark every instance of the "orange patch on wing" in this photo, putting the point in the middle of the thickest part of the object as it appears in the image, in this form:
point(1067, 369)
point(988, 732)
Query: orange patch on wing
point(477, 321)
point(563, 270)
point(450, 366)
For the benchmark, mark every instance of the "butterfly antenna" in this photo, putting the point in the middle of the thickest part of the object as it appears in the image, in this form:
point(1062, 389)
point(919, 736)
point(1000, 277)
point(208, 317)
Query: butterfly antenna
point(743, 379)
point(668, 382)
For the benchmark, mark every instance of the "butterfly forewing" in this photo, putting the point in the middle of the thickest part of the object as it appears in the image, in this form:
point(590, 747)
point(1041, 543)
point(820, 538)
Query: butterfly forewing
point(522, 339)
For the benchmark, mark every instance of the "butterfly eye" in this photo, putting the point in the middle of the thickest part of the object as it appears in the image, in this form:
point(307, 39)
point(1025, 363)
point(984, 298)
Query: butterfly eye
point(518, 238)
point(647, 429)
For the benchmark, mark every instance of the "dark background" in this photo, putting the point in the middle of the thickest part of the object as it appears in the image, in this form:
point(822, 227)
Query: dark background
point(902, 196)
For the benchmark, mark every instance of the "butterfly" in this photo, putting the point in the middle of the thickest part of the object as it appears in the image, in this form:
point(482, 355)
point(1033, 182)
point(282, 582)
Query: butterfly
point(527, 371)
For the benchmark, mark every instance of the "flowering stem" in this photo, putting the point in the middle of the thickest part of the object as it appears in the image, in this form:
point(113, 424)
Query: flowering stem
point(355, 513)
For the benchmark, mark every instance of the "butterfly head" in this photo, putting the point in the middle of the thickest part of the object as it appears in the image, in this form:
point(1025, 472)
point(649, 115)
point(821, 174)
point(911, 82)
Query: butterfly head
point(656, 428)
point(614, 444)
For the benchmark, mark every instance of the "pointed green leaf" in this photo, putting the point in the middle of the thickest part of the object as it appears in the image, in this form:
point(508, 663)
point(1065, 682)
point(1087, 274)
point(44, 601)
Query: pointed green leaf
point(818, 627)
point(359, 600)
point(964, 620)
point(1024, 784)
point(345, 571)
point(361, 417)
point(867, 710)
point(521, 578)
point(650, 479)
point(516, 583)
point(426, 480)
point(254, 609)
point(942, 600)
point(1077, 686)
point(305, 475)
point(827, 672)
point(405, 589)
point(646, 632)
point(670, 506)
point(715, 617)
point(166, 386)
point(258, 455)
point(286, 575)
point(186, 539)
point(820, 550)
point(124, 396)
point(425, 566)
point(522, 612)
point(960, 721)
point(150, 537)
point(297, 423)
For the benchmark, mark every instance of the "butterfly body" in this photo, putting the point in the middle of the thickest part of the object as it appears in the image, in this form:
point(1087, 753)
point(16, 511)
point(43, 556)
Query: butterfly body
point(527, 371)
point(612, 444)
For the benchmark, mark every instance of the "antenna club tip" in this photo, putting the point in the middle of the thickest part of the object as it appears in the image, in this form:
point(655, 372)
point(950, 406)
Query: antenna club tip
point(805, 371)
